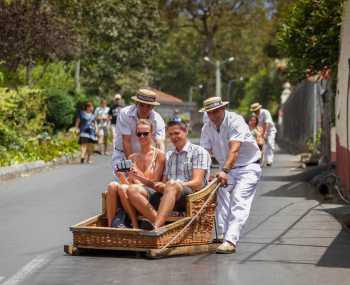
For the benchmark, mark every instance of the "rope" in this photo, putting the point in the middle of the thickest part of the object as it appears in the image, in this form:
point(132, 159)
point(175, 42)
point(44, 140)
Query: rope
point(193, 218)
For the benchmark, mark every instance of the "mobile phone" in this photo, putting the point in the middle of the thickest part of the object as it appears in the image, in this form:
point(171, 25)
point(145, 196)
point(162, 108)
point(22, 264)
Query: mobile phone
point(123, 165)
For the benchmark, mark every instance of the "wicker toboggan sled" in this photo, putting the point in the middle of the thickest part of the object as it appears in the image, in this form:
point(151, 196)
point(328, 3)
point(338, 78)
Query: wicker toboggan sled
point(189, 234)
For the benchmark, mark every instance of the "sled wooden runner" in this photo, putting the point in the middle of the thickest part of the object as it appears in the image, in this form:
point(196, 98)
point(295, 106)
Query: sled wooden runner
point(182, 235)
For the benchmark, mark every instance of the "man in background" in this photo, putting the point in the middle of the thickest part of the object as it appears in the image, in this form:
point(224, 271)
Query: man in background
point(102, 119)
point(126, 141)
point(268, 132)
point(113, 115)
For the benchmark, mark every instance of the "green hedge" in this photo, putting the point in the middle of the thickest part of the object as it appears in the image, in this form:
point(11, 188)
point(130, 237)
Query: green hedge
point(24, 132)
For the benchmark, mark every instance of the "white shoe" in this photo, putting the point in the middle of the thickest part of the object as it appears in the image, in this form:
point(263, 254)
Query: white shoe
point(226, 247)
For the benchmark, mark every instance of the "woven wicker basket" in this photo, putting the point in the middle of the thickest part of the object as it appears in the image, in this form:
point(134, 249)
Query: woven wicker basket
point(93, 232)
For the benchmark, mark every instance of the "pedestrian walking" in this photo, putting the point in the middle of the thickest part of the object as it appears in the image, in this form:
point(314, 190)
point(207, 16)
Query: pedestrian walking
point(102, 118)
point(268, 131)
point(86, 124)
point(127, 141)
point(113, 115)
point(228, 137)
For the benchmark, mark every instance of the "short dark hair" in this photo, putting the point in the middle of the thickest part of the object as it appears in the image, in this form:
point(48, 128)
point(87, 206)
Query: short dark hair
point(87, 105)
point(173, 123)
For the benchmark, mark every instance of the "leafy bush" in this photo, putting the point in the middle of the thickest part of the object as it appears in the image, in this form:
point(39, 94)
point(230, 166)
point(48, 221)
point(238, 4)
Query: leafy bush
point(22, 113)
point(264, 87)
point(61, 108)
point(309, 36)
point(23, 126)
point(39, 149)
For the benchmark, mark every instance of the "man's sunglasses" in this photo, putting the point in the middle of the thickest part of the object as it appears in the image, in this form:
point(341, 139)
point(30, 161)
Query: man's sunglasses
point(142, 134)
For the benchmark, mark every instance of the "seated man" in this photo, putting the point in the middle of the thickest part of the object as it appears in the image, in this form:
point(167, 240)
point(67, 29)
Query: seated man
point(187, 170)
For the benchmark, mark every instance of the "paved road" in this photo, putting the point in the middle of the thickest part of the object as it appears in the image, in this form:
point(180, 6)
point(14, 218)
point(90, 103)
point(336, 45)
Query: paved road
point(290, 238)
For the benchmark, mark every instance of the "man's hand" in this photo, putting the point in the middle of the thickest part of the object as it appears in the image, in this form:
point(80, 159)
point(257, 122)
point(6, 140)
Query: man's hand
point(222, 178)
point(159, 187)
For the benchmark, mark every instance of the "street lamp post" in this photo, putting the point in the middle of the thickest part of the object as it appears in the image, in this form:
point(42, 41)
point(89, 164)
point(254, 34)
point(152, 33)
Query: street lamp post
point(218, 65)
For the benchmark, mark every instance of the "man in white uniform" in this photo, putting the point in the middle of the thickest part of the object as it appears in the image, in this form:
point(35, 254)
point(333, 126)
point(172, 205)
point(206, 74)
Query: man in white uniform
point(269, 131)
point(228, 137)
point(126, 141)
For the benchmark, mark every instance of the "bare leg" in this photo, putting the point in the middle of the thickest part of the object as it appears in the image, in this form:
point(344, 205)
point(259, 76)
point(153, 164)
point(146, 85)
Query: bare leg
point(83, 150)
point(105, 144)
point(89, 151)
point(171, 193)
point(111, 202)
point(141, 203)
point(122, 193)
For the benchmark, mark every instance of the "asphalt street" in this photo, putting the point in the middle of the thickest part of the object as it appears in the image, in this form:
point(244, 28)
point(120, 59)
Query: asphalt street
point(291, 237)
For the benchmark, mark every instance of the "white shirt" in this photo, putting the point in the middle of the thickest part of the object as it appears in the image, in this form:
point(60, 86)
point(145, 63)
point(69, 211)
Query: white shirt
point(233, 128)
point(126, 125)
point(266, 118)
point(102, 111)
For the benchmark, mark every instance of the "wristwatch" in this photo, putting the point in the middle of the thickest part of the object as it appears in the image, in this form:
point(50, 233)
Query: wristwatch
point(226, 170)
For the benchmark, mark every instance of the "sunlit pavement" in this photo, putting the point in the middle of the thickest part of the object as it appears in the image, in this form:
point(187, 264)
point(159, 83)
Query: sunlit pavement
point(290, 238)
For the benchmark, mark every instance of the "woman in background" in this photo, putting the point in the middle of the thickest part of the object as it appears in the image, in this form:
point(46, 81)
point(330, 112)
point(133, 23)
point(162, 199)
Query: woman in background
point(256, 131)
point(85, 123)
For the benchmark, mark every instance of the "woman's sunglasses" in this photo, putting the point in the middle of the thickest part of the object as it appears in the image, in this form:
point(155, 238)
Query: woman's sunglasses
point(142, 134)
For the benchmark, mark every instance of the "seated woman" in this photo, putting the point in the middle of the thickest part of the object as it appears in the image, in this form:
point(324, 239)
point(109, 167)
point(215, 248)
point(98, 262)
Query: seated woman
point(256, 131)
point(148, 165)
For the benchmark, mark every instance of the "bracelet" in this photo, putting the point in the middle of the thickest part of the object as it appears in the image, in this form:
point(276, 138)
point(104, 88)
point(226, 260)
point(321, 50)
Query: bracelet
point(226, 170)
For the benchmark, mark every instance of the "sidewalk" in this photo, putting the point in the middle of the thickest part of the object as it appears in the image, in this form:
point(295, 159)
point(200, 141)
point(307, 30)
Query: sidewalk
point(293, 229)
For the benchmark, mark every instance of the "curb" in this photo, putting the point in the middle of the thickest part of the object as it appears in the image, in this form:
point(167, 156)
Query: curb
point(10, 172)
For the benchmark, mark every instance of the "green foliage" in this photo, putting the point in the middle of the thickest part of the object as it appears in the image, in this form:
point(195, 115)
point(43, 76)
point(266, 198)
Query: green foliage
point(264, 87)
point(114, 36)
point(22, 123)
point(178, 61)
point(56, 75)
point(38, 149)
point(61, 108)
point(32, 31)
point(314, 147)
point(309, 36)
point(22, 111)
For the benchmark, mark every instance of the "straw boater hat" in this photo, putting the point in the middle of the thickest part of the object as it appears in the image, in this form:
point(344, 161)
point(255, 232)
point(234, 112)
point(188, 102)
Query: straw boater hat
point(146, 96)
point(212, 103)
point(255, 107)
point(117, 96)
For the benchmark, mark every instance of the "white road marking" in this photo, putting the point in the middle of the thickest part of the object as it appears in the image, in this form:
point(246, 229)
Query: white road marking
point(27, 270)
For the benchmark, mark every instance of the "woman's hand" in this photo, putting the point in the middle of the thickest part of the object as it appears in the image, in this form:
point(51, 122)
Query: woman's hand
point(159, 187)
point(135, 171)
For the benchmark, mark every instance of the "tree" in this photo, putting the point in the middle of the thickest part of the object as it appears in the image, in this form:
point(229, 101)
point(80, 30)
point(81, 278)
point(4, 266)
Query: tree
point(32, 32)
point(218, 29)
point(114, 36)
point(309, 36)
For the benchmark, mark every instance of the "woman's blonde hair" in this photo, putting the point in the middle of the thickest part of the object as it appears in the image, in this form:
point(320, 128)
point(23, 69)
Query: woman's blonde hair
point(144, 122)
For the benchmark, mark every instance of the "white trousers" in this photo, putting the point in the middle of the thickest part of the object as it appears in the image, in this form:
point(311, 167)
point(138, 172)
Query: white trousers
point(269, 147)
point(234, 201)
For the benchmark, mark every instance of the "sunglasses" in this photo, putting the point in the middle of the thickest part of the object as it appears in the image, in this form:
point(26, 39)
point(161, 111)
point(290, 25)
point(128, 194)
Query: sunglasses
point(142, 134)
